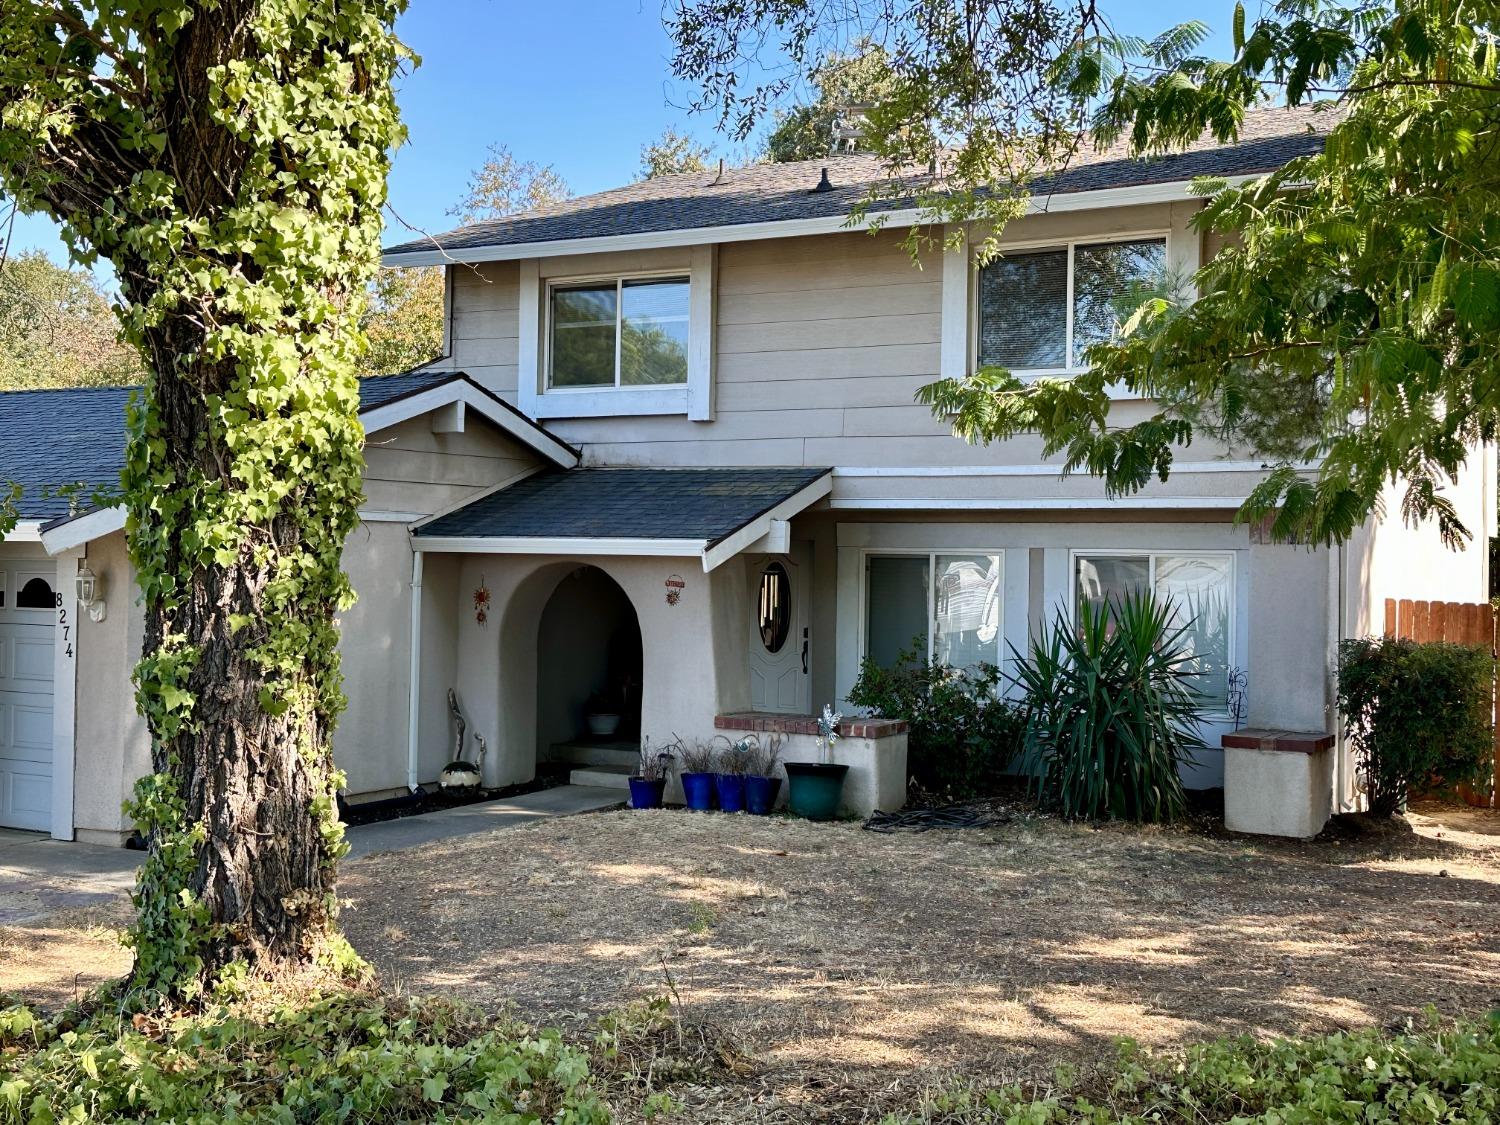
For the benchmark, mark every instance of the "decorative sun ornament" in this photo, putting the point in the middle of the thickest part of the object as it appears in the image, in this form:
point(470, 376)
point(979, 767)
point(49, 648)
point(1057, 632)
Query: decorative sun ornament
point(482, 602)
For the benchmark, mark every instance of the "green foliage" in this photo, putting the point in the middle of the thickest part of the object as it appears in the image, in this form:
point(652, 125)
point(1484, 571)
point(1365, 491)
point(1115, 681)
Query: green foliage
point(232, 167)
point(961, 88)
point(1350, 322)
point(1426, 1075)
point(403, 321)
point(1417, 715)
point(57, 329)
point(1111, 714)
point(962, 738)
point(346, 1057)
point(503, 185)
point(673, 153)
point(845, 84)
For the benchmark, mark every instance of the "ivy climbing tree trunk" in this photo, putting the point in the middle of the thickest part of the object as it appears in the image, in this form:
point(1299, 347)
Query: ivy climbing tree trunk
point(230, 160)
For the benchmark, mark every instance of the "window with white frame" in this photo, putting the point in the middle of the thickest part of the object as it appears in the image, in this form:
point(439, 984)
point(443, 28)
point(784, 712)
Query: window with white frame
point(1201, 590)
point(946, 604)
point(618, 332)
point(1039, 309)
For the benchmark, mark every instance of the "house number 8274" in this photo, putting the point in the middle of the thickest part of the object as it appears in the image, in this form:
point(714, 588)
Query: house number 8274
point(62, 623)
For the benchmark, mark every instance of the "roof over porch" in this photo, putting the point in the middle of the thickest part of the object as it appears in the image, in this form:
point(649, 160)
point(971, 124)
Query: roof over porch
point(711, 514)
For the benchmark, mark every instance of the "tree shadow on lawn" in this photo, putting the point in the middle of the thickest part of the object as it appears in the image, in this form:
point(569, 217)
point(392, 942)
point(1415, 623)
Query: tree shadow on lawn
point(825, 949)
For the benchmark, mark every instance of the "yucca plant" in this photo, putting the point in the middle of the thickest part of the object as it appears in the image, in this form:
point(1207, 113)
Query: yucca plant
point(1111, 714)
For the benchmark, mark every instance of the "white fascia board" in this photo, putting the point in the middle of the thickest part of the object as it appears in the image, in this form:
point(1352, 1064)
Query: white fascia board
point(473, 398)
point(84, 529)
point(25, 531)
point(509, 545)
point(758, 528)
point(939, 503)
point(1170, 192)
point(1043, 470)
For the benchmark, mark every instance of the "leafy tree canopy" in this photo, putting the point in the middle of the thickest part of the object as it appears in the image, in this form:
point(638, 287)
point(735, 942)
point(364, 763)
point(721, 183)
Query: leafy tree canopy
point(845, 85)
point(57, 329)
point(1351, 320)
point(404, 319)
point(671, 153)
point(503, 185)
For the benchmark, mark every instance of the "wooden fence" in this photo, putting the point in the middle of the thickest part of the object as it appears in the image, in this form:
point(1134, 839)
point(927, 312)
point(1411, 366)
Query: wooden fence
point(1464, 623)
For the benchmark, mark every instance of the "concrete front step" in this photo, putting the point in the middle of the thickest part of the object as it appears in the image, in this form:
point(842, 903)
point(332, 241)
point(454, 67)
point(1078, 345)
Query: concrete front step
point(602, 777)
point(595, 753)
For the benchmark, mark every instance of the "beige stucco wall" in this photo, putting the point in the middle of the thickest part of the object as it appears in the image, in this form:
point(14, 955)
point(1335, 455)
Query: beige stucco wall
point(695, 652)
point(111, 746)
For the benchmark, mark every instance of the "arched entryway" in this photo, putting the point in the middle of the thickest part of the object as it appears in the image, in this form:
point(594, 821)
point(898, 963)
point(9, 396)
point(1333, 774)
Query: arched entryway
point(589, 665)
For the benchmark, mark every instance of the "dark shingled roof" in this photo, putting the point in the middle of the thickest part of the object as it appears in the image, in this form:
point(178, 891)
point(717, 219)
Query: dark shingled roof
point(764, 193)
point(55, 439)
point(597, 503)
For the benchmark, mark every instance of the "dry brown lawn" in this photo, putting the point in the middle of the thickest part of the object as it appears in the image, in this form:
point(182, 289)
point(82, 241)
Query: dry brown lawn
point(842, 961)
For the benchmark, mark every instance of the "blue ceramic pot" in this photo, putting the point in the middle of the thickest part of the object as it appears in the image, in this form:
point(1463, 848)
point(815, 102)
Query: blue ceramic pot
point(760, 794)
point(731, 792)
point(698, 791)
point(646, 794)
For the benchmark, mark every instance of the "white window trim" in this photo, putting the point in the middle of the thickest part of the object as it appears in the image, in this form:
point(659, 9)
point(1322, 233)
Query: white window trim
point(693, 398)
point(1213, 715)
point(863, 621)
point(959, 344)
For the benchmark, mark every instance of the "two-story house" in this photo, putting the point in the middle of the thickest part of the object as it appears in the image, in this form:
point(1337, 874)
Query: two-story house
point(669, 468)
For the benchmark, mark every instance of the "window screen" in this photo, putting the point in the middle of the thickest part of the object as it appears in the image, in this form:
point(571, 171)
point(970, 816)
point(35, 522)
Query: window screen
point(654, 332)
point(1023, 311)
point(1110, 280)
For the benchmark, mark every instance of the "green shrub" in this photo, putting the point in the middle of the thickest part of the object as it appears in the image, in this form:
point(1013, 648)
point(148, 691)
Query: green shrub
point(1417, 715)
point(1111, 714)
point(961, 737)
point(1425, 1075)
point(344, 1058)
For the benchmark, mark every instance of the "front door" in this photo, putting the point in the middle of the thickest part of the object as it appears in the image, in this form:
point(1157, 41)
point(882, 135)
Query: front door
point(780, 648)
point(27, 616)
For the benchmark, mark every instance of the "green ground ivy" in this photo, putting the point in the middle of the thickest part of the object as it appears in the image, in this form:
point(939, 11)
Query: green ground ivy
point(229, 158)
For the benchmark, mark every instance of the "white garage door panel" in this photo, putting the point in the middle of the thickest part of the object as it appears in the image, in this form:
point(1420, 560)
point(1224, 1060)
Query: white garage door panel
point(26, 672)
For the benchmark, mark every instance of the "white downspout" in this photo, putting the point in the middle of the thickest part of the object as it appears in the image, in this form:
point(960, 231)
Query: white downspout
point(1336, 616)
point(415, 690)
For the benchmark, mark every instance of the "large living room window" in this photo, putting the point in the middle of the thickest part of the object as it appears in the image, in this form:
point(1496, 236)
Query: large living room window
point(1201, 588)
point(623, 332)
point(946, 605)
point(1039, 309)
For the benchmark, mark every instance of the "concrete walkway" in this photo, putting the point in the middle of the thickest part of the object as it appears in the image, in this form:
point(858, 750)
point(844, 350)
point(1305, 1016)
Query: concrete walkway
point(413, 831)
point(40, 876)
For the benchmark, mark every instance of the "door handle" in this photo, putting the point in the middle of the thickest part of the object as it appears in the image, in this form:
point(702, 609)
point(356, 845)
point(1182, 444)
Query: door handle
point(804, 652)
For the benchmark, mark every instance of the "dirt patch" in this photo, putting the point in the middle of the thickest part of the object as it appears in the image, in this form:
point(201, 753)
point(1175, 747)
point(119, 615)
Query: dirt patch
point(998, 952)
point(52, 963)
point(847, 964)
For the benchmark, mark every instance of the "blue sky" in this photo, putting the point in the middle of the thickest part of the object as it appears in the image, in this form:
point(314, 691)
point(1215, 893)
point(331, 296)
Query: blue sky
point(579, 84)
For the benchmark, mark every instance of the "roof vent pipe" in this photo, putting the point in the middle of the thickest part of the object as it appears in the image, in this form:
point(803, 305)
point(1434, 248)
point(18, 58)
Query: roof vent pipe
point(824, 184)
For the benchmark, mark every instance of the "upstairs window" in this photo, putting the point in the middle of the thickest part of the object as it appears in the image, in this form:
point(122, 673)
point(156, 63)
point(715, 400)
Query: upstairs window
point(624, 332)
point(1040, 309)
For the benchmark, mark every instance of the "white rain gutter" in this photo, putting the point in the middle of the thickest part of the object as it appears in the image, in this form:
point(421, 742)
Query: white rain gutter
point(1335, 636)
point(415, 688)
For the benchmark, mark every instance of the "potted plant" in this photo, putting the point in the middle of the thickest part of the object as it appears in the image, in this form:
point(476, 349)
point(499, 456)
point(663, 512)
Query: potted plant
point(650, 781)
point(814, 789)
point(761, 783)
point(602, 715)
point(734, 764)
point(698, 776)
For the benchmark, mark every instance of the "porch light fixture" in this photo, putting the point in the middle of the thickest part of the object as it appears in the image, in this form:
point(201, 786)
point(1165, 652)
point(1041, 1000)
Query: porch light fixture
point(90, 590)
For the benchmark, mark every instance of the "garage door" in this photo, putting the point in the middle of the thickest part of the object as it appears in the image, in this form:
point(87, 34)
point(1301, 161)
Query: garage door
point(27, 613)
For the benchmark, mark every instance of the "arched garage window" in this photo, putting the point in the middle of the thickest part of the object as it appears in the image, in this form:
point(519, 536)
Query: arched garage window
point(36, 594)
